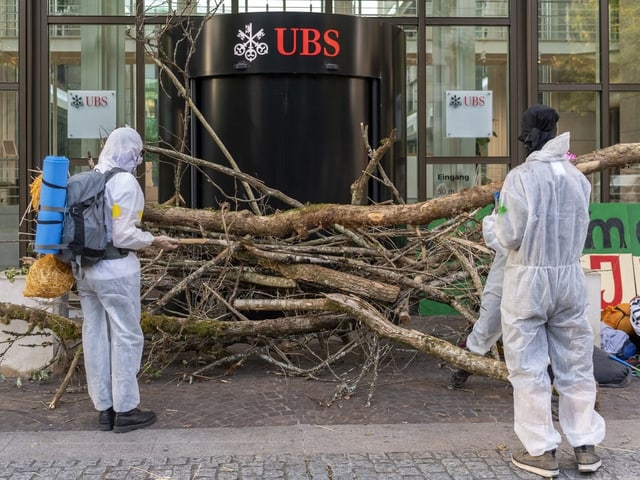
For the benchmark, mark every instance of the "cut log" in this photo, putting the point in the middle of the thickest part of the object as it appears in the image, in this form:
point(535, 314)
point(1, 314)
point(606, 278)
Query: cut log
point(333, 279)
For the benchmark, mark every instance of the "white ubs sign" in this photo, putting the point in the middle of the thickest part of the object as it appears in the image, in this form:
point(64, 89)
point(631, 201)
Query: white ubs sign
point(469, 114)
point(91, 113)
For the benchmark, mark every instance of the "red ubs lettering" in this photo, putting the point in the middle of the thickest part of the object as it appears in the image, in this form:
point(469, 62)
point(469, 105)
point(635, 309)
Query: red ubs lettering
point(473, 101)
point(312, 42)
point(96, 101)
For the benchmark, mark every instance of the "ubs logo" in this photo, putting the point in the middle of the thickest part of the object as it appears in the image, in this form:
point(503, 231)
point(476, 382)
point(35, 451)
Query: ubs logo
point(467, 101)
point(289, 41)
point(250, 46)
point(78, 101)
point(455, 101)
point(307, 42)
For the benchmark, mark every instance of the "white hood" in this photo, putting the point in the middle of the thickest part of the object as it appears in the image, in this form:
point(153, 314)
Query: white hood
point(555, 149)
point(122, 149)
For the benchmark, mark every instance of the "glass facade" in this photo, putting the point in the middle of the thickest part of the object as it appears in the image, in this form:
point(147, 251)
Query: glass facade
point(624, 184)
point(568, 37)
point(392, 8)
point(470, 59)
point(8, 41)
point(9, 132)
point(89, 58)
point(624, 38)
point(467, 8)
point(578, 56)
point(92, 7)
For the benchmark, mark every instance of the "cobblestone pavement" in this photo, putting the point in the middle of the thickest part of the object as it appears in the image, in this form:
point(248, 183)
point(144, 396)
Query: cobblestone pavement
point(285, 428)
point(388, 466)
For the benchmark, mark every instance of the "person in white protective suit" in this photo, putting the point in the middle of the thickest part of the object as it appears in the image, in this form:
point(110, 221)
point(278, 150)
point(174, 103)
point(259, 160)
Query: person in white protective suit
point(542, 221)
point(487, 329)
point(109, 293)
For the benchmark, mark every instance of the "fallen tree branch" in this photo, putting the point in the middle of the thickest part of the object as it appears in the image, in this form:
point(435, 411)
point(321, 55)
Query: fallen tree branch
point(334, 279)
point(458, 357)
point(359, 187)
point(300, 221)
point(224, 255)
point(70, 371)
point(203, 328)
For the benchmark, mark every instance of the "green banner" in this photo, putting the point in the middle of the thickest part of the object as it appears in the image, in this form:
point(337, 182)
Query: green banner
point(614, 228)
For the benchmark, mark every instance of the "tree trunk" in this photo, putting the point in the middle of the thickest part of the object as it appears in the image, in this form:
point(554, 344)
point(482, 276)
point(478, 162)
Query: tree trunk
point(207, 329)
point(300, 221)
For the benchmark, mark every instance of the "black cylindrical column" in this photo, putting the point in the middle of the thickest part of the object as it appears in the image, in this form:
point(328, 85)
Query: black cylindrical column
point(287, 93)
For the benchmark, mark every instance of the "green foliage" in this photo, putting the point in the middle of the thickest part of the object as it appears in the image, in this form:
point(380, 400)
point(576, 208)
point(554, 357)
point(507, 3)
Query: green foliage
point(12, 273)
point(41, 375)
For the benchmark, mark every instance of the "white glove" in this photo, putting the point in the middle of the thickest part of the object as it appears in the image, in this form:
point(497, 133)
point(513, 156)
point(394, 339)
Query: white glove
point(165, 243)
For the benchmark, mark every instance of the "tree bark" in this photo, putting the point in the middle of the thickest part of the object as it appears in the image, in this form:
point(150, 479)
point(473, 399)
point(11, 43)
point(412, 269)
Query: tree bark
point(333, 279)
point(621, 155)
point(300, 221)
point(70, 329)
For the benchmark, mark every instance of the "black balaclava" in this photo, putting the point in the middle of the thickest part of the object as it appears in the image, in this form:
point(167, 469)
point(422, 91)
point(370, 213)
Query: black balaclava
point(538, 126)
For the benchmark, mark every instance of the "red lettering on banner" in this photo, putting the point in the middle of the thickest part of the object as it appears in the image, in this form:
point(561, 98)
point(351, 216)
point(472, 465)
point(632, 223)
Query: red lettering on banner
point(614, 261)
point(313, 42)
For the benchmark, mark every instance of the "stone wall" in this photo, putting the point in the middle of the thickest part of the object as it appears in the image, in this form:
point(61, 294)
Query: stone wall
point(22, 355)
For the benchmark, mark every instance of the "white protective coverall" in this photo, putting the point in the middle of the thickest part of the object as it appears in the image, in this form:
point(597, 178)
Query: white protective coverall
point(542, 221)
point(109, 291)
point(488, 329)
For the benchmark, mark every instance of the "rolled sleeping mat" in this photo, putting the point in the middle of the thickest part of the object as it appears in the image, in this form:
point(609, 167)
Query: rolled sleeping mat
point(53, 193)
point(53, 197)
point(48, 231)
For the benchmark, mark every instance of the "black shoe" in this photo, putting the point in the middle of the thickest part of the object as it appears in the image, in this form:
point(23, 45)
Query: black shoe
point(459, 378)
point(132, 420)
point(106, 419)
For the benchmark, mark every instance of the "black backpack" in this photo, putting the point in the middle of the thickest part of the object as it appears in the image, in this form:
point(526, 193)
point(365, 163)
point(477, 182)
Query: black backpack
point(84, 231)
